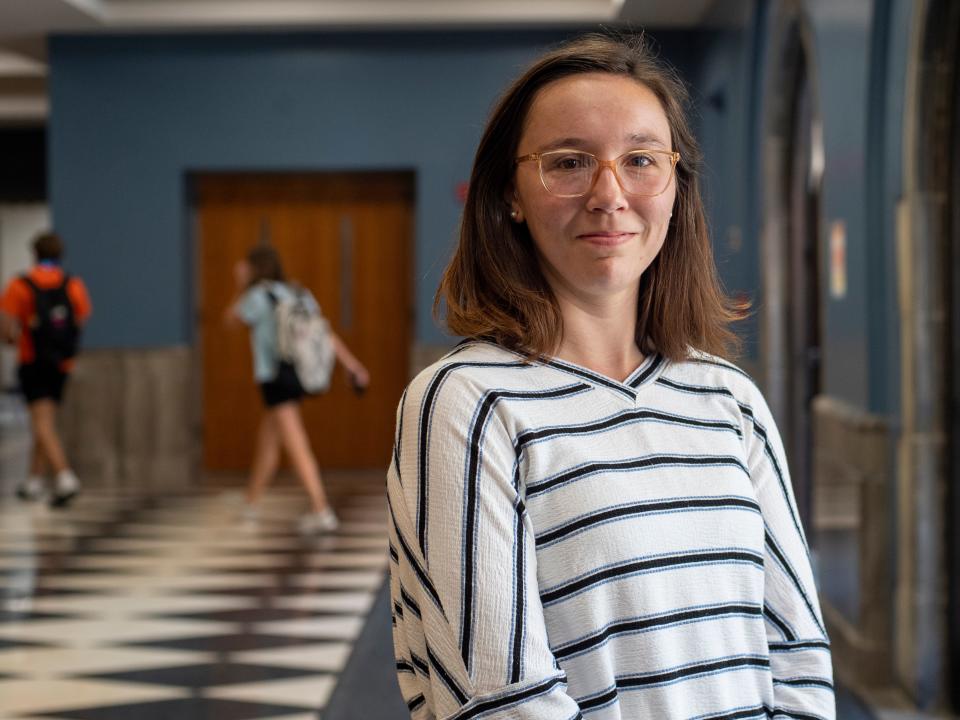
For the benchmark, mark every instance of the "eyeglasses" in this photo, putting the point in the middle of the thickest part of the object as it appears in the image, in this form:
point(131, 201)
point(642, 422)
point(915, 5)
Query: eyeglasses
point(571, 173)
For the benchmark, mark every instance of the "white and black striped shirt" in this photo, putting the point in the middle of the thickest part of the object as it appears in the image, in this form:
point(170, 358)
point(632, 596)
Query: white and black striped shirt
point(564, 545)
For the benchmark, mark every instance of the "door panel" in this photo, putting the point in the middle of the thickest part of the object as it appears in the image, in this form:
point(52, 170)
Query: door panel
point(302, 217)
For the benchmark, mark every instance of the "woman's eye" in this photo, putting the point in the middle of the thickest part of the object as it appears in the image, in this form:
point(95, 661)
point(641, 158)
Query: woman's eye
point(641, 160)
point(567, 162)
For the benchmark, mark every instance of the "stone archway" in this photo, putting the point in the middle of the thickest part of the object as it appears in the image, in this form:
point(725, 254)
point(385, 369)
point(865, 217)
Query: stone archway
point(927, 627)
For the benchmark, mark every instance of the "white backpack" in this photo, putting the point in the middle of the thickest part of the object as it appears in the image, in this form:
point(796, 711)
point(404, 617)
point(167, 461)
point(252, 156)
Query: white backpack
point(304, 339)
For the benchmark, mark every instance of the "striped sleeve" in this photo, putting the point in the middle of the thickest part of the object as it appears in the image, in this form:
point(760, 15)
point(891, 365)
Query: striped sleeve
point(469, 633)
point(796, 637)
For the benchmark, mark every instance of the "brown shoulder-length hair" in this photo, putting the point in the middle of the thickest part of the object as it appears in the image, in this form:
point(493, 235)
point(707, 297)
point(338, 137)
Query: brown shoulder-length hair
point(265, 264)
point(493, 286)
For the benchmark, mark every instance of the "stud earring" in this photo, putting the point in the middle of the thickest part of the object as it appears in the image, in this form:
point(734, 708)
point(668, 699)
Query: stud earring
point(514, 214)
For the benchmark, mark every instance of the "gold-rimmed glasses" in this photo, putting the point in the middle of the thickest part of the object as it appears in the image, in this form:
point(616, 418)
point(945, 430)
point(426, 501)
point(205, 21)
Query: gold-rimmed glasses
point(571, 173)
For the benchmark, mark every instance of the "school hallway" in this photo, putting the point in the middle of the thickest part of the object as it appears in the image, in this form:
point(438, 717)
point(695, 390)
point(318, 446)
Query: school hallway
point(165, 141)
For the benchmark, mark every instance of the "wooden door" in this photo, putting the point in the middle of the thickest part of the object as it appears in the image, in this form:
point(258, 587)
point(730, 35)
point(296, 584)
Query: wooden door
point(348, 238)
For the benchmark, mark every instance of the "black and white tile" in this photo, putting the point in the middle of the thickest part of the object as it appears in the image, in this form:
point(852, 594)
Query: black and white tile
point(124, 607)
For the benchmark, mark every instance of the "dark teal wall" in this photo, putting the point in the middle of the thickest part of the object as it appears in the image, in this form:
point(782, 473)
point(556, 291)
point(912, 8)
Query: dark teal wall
point(861, 48)
point(841, 32)
point(133, 116)
point(723, 96)
point(890, 46)
point(859, 51)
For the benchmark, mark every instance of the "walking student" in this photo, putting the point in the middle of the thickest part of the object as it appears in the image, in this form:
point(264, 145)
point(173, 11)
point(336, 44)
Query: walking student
point(591, 511)
point(262, 287)
point(42, 312)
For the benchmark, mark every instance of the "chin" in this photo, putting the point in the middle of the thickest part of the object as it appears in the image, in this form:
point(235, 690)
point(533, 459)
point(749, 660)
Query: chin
point(611, 283)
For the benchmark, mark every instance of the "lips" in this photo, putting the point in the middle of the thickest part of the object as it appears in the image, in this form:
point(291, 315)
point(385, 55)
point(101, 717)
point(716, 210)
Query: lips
point(606, 238)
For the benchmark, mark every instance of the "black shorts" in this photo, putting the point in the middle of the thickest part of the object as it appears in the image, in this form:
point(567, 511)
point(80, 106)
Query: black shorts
point(285, 387)
point(41, 382)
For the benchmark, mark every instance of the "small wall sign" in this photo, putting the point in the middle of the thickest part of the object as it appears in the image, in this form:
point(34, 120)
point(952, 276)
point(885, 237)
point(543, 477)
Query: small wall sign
point(838, 259)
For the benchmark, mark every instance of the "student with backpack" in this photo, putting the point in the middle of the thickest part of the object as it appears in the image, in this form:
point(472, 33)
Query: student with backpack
point(294, 350)
point(42, 312)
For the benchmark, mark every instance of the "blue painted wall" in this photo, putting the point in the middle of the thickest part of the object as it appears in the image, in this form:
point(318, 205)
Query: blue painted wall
point(723, 95)
point(132, 116)
point(841, 31)
point(890, 48)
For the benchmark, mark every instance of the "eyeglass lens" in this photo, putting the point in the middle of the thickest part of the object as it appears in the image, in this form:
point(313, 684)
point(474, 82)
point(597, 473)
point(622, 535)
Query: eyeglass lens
point(640, 172)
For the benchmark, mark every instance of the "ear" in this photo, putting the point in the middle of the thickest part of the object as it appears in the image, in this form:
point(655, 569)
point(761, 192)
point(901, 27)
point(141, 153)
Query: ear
point(512, 200)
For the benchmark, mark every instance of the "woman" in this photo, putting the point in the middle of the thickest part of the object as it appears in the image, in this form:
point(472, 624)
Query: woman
point(260, 285)
point(591, 514)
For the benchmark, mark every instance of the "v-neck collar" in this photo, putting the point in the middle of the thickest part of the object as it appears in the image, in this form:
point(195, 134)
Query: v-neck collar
point(648, 370)
point(629, 387)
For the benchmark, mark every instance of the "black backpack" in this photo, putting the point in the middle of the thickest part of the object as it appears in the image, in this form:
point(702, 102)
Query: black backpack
point(53, 328)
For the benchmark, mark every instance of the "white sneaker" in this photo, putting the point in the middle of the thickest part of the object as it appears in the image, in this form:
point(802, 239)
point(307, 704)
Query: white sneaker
point(319, 522)
point(250, 517)
point(33, 488)
point(65, 488)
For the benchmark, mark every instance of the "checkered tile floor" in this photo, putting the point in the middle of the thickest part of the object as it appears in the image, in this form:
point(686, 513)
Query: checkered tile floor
point(122, 608)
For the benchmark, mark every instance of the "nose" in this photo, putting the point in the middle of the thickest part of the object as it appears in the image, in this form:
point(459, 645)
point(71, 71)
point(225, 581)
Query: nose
point(606, 194)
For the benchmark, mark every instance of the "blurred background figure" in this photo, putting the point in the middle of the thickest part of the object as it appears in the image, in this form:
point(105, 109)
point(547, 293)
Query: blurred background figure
point(42, 311)
point(262, 290)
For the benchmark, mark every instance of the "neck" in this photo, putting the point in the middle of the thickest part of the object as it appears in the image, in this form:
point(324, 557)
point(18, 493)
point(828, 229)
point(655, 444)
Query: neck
point(600, 333)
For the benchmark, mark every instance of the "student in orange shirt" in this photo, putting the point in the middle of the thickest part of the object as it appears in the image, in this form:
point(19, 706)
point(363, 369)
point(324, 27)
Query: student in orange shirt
point(41, 312)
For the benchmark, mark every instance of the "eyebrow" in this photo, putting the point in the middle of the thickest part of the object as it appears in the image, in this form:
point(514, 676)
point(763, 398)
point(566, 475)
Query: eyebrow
point(579, 143)
point(646, 139)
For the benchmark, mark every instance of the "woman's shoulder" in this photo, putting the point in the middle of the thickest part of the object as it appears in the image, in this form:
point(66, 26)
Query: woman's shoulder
point(711, 371)
point(472, 367)
point(271, 291)
point(255, 304)
point(277, 289)
point(256, 293)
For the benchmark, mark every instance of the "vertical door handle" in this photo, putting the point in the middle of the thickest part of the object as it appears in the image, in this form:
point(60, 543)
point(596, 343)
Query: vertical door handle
point(346, 272)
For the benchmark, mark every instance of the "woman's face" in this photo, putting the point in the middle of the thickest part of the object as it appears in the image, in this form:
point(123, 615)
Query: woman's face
point(595, 246)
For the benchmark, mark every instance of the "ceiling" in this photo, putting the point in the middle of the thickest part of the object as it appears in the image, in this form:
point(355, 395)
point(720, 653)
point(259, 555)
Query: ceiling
point(25, 25)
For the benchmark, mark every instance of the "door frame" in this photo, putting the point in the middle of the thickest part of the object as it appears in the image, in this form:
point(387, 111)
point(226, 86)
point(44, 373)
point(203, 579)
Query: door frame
point(927, 627)
point(953, 380)
point(953, 410)
point(790, 57)
point(953, 365)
